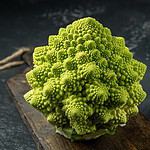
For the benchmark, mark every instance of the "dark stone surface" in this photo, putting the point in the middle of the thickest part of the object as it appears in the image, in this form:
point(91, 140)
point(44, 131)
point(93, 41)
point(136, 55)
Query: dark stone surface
point(13, 133)
point(31, 25)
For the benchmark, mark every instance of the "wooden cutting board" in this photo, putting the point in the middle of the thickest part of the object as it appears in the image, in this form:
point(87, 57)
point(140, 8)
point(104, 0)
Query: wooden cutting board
point(134, 136)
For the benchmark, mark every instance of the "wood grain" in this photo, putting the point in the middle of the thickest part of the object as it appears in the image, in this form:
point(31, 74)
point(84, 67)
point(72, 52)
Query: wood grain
point(134, 136)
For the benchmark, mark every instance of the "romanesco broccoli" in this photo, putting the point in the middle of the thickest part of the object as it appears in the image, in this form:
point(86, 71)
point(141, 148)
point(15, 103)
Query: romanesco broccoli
point(85, 81)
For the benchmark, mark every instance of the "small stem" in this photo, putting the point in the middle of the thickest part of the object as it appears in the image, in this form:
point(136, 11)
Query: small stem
point(11, 64)
point(14, 55)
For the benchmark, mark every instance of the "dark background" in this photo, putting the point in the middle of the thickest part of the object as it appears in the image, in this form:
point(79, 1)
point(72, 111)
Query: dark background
point(29, 22)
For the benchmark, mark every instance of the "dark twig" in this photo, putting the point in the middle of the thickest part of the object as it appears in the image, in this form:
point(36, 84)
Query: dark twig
point(11, 64)
point(9, 61)
point(14, 55)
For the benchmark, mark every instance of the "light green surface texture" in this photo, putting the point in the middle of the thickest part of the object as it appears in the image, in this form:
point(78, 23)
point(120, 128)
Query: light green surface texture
point(85, 80)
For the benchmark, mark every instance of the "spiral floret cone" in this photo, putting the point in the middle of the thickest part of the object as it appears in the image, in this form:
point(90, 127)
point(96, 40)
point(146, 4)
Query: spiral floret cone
point(85, 81)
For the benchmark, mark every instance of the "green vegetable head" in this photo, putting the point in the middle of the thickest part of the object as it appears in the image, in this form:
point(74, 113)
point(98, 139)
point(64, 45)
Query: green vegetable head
point(85, 81)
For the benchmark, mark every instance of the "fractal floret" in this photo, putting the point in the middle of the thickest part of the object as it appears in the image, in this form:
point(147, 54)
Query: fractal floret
point(85, 81)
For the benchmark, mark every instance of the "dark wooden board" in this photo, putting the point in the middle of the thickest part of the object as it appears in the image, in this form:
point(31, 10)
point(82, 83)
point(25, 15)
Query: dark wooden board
point(134, 136)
